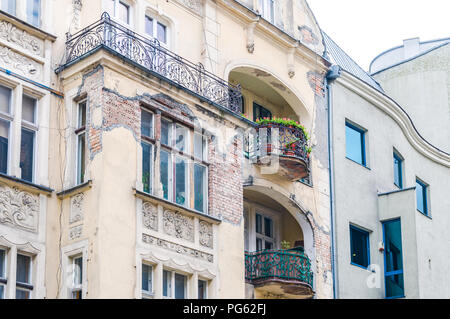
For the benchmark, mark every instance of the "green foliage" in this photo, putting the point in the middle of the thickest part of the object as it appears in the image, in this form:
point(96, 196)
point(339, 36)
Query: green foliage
point(285, 244)
point(283, 121)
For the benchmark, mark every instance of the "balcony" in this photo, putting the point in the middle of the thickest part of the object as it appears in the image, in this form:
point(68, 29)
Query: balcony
point(283, 273)
point(287, 144)
point(153, 58)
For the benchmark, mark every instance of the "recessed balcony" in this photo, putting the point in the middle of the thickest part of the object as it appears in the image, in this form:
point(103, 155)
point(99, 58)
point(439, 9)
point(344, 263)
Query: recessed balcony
point(283, 145)
point(281, 273)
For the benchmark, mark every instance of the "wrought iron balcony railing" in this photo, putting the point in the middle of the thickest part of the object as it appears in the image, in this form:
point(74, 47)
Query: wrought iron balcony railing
point(156, 59)
point(287, 265)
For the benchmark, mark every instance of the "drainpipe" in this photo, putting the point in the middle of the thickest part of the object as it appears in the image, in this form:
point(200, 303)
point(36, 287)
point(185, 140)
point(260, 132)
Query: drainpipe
point(333, 74)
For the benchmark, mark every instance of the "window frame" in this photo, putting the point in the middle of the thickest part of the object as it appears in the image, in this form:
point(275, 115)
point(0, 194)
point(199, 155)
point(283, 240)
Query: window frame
point(362, 143)
point(252, 209)
point(425, 199)
point(31, 127)
point(115, 15)
point(76, 287)
point(172, 288)
point(30, 19)
point(206, 283)
point(5, 3)
point(256, 106)
point(151, 142)
point(80, 132)
point(155, 21)
point(267, 8)
point(366, 233)
point(148, 294)
point(28, 287)
point(400, 160)
point(3, 274)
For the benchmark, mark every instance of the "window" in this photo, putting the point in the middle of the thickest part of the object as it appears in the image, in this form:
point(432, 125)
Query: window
point(422, 197)
point(182, 165)
point(393, 260)
point(119, 10)
point(27, 141)
point(9, 6)
point(147, 149)
point(267, 9)
point(260, 112)
point(355, 144)
point(5, 123)
point(398, 170)
point(359, 247)
point(174, 285)
point(202, 289)
point(147, 280)
point(3, 280)
point(34, 12)
point(156, 29)
point(264, 232)
point(77, 278)
point(23, 277)
point(81, 142)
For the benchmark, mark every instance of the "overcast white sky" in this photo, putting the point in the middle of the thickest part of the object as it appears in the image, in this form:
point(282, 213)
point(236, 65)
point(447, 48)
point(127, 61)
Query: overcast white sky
point(365, 28)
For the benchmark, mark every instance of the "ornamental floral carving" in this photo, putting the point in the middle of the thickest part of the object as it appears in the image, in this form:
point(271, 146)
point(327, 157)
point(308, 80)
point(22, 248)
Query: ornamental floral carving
point(195, 5)
point(20, 63)
point(177, 248)
point(76, 208)
point(11, 34)
point(75, 232)
point(205, 234)
point(178, 225)
point(18, 208)
point(150, 216)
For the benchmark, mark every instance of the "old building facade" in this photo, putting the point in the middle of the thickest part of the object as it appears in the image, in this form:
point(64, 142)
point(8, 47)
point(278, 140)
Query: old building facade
point(188, 149)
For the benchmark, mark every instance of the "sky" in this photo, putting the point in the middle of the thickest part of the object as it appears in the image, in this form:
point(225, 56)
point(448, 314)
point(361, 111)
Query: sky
point(365, 28)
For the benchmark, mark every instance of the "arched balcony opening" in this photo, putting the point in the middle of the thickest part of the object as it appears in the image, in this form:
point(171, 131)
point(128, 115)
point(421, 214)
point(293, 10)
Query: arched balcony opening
point(276, 262)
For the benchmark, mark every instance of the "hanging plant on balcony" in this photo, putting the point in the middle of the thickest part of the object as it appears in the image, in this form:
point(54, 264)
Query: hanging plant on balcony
point(284, 122)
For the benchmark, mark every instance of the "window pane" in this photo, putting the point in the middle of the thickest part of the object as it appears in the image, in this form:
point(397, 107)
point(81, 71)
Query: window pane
point(180, 284)
point(28, 108)
point(146, 167)
point(23, 269)
point(33, 12)
point(397, 171)
point(180, 181)
point(82, 114)
point(149, 25)
point(9, 6)
point(167, 283)
point(199, 187)
point(268, 227)
point(81, 166)
point(161, 32)
point(269, 245)
point(359, 245)
point(354, 142)
point(260, 112)
point(394, 286)
point(2, 292)
point(246, 234)
point(421, 196)
point(78, 271)
point(26, 154)
point(22, 294)
point(5, 99)
point(181, 138)
point(124, 12)
point(4, 136)
point(259, 244)
point(198, 146)
point(2, 264)
point(166, 136)
point(202, 289)
point(393, 246)
point(259, 224)
point(164, 172)
point(146, 278)
point(147, 124)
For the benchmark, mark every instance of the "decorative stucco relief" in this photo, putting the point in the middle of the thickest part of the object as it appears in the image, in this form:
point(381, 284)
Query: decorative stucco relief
point(76, 208)
point(76, 8)
point(206, 234)
point(178, 225)
point(10, 33)
point(150, 216)
point(18, 208)
point(177, 248)
point(195, 5)
point(20, 64)
point(75, 232)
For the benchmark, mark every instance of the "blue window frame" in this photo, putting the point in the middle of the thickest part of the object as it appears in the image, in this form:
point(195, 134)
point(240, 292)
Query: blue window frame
point(355, 144)
point(398, 170)
point(359, 247)
point(393, 259)
point(422, 197)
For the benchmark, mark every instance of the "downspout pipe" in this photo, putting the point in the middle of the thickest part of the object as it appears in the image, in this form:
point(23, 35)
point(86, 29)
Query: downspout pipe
point(333, 74)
